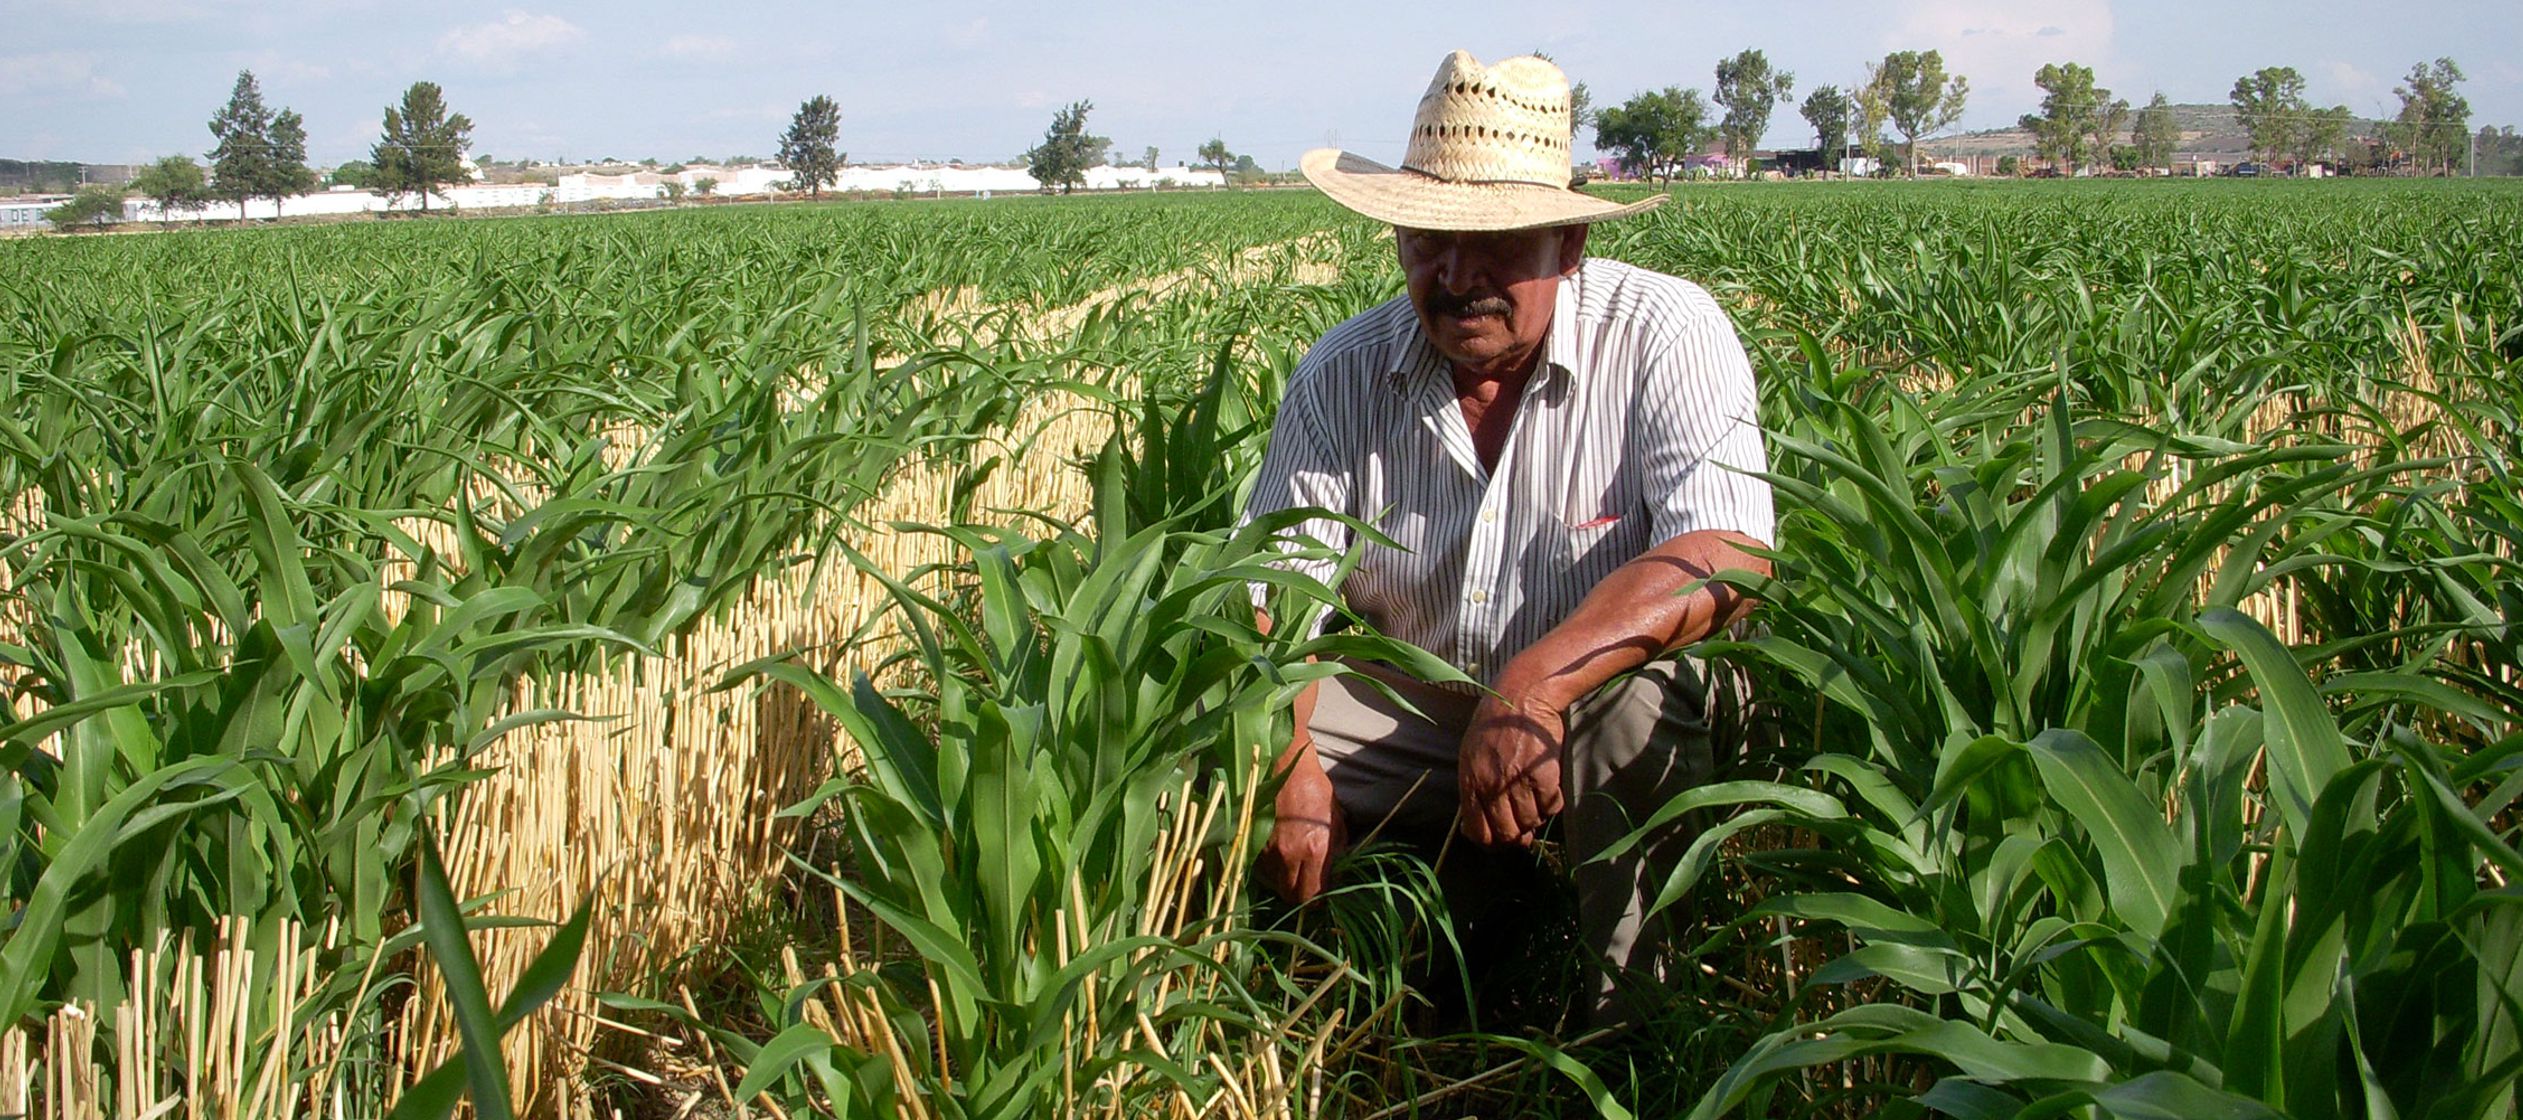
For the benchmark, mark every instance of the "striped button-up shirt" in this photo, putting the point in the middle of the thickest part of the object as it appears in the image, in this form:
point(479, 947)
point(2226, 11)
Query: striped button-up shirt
point(1637, 427)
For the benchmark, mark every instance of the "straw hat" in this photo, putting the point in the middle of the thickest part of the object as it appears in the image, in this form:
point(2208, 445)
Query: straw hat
point(1489, 151)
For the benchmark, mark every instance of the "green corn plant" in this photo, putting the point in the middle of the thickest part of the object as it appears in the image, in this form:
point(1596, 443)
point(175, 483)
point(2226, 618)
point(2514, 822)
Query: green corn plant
point(1096, 689)
point(1998, 624)
point(277, 775)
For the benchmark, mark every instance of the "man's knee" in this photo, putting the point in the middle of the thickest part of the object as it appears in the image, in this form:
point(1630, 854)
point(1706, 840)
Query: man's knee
point(1651, 735)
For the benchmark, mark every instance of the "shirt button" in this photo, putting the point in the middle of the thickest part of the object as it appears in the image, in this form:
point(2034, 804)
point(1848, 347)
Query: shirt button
point(1472, 669)
point(1488, 515)
point(1479, 596)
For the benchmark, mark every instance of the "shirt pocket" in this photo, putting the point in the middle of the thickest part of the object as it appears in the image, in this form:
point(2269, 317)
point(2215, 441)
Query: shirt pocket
point(1584, 539)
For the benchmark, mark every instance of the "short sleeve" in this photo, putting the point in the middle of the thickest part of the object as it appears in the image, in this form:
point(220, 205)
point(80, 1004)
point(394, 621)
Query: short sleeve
point(1698, 435)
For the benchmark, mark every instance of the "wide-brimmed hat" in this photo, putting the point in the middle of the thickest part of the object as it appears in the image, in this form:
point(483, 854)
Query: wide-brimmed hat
point(1488, 151)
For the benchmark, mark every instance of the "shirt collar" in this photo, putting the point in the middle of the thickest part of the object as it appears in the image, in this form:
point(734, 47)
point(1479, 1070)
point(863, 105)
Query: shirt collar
point(1414, 357)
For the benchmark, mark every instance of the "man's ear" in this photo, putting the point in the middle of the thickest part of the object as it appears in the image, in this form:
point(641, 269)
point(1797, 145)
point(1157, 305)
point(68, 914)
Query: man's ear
point(1572, 248)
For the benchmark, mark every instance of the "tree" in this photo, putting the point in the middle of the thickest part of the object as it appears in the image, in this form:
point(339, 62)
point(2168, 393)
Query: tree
point(2111, 126)
point(240, 163)
point(672, 190)
point(422, 145)
point(1150, 157)
point(353, 173)
point(806, 149)
point(1066, 151)
point(175, 183)
point(1828, 111)
point(2434, 122)
point(2325, 132)
point(2071, 117)
point(2500, 151)
point(1653, 133)
point(290, 174)
point(95, 206)
point(1873, 113)
point(1912, 90)
point(2156, 133)
point(1749, 90)
point(1214, 154)
point(2271, 106)
point(259, 154)
point(705, 186)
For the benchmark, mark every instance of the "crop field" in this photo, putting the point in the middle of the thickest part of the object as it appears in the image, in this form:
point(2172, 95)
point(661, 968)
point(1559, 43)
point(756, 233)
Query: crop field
point(786, 661)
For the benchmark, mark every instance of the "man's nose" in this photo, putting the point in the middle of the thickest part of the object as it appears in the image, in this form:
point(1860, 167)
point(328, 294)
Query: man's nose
point(1457, 271)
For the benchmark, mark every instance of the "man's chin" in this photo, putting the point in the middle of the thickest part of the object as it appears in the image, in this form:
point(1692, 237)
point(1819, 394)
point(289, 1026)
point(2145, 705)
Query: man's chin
point(1464, 340)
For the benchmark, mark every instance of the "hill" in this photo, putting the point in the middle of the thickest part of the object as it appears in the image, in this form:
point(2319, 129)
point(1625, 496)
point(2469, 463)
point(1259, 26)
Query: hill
point(57, 176)
point(2207, 132)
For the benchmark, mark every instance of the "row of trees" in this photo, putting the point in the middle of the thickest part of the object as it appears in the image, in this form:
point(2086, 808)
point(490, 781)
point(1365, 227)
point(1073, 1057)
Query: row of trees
point(2431, 131)
point(2080, 124)
point(1655, 133)
point(260, 153)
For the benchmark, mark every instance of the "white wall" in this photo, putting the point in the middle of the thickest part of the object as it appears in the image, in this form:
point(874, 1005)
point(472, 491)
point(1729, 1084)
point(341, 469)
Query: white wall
point(733, 182)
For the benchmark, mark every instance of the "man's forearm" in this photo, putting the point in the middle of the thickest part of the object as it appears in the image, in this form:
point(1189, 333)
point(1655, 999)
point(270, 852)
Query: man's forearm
point(1637, 613)
point(1301, 744)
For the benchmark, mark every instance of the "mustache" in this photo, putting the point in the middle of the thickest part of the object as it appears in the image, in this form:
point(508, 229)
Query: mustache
point(1469, 303)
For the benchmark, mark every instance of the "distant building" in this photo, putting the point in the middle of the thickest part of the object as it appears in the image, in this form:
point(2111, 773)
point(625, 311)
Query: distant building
point(20, 213)
point(1795, 161)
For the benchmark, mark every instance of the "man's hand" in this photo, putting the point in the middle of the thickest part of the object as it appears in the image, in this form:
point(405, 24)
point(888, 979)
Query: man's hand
point(1510, 771)
point(1309, 831)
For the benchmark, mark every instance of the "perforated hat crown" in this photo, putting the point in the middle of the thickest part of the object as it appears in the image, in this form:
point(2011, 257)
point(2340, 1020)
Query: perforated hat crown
point(1507, 123)
point(1489, 150)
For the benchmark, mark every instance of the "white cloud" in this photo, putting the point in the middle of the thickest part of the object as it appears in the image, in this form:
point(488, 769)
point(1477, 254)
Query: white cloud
point(700, 48)
point(2345, 83)
point(55, 72)
point(504, 40)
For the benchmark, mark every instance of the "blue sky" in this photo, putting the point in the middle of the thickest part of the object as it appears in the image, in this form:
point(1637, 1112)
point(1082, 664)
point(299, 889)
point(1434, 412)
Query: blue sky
point(125, 80)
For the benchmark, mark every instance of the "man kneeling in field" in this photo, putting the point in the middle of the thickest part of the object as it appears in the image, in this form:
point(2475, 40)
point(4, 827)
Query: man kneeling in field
point(1565, 450)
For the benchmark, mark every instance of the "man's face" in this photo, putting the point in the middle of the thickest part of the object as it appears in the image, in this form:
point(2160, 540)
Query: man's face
point(1485, 298)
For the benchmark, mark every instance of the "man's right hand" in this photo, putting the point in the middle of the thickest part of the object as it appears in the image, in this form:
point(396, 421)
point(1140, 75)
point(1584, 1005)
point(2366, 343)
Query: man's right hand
point(1308, 833)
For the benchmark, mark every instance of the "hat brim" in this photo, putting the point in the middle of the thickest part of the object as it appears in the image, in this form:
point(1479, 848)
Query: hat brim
point(1412, 200)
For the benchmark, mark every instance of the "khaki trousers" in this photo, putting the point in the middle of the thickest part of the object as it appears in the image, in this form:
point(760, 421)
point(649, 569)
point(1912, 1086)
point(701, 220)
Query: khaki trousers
point(1632, 746)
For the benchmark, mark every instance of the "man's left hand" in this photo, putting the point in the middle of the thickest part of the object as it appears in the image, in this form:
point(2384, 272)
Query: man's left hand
point(1509, 771)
